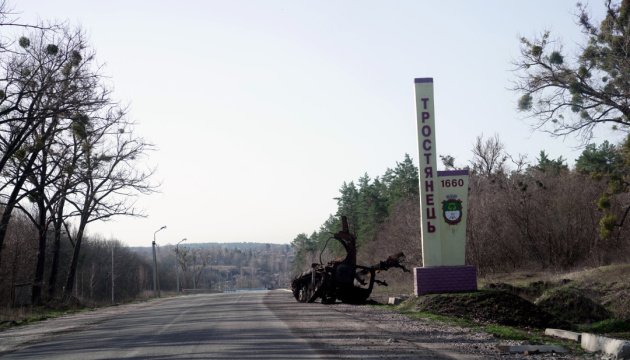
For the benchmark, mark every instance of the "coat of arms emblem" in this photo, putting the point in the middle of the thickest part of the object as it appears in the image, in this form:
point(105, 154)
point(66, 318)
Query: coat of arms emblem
point(452, 210)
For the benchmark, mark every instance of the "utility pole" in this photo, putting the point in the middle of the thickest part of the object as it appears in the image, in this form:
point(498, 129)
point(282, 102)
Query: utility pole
point(155, 264)
point(177, 262)
point(195, 270)
point(113, 274)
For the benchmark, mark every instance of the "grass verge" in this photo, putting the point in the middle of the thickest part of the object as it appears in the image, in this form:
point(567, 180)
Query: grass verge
point(612, 327)
point(10, 317)
point(34, 315)
point(526, 336)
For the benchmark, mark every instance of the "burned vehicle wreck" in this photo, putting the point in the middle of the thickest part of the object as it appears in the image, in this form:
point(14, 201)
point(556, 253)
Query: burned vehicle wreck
point(342, 278)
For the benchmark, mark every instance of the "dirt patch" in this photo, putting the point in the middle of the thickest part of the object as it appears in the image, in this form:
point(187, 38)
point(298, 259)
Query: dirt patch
point(617, 300)
point(573, 306)
point(580, 302)
point(490, 307)
point(608, 286)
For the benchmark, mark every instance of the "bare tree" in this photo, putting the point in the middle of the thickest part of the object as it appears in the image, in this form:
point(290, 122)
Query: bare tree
point(17, 269)
point(65, 142)
point(448, 161)
point(110, 176)
point(45, 83)
point(51, 81)
point(489, 156)
point(520, 161)
point(8, 19)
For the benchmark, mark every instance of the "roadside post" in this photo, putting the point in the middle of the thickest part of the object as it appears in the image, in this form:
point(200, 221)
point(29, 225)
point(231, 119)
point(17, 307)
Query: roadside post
point(177, 262)
point(443, 202)
point(155, 272)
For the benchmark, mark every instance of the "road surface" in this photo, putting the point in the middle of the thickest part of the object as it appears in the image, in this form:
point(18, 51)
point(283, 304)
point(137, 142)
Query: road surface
point(240, 325)
point(213, 326)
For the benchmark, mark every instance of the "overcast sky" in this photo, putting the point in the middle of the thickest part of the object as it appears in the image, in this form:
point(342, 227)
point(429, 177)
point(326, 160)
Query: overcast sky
point(262, 109)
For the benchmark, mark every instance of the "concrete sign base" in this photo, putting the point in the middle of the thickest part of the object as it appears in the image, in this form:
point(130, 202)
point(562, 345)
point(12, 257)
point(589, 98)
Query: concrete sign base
point(442, 279)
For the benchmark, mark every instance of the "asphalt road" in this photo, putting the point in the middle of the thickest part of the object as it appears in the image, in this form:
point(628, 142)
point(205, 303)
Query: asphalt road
point(247, 325)
point(213, 326)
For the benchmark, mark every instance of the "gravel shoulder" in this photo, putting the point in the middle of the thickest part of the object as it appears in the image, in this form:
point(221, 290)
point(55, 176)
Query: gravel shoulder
point(385, 334)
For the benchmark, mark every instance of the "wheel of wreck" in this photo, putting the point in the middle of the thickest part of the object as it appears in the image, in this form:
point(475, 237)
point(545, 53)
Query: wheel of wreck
point(303, 294)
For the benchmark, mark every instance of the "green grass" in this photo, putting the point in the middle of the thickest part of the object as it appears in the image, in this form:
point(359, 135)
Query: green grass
point(503, 332)
point(529, 337)
point(614, 327)
point(508, 332)
point(407, 308)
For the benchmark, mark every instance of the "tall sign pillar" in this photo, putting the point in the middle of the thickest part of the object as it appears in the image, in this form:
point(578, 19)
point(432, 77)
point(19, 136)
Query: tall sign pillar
point(431, 246)
point(443, 200)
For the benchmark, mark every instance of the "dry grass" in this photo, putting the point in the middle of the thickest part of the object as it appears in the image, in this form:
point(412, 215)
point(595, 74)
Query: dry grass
point(597, 299)
point(12, 315)
point(618, 273)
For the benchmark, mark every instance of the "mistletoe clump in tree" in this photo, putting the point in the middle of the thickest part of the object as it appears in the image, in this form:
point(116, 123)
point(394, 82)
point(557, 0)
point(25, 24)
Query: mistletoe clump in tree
point(570, 94)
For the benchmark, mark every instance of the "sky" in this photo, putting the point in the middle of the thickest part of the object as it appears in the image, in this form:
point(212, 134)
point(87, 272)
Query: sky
point(261, 109)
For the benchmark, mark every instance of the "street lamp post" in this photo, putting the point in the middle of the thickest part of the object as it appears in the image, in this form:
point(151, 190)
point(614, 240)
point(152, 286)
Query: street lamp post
point(212, 262)
point(177, 262)
point(195, 270)
point(155, 264)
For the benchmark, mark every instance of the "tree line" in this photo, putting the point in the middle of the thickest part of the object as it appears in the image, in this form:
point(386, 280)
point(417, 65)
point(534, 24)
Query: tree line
point(541, 215)
point(218, 266)
point(111, 272)
point(69, 153)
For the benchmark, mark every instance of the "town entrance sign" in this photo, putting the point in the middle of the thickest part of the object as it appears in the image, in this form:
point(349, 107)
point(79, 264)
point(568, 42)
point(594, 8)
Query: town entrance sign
point(443, 203)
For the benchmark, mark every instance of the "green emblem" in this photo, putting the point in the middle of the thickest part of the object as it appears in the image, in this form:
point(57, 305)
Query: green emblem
point(452, 210)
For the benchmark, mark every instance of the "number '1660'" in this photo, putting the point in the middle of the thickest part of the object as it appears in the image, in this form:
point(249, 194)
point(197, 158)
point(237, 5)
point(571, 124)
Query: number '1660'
point(452, 183)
